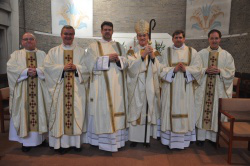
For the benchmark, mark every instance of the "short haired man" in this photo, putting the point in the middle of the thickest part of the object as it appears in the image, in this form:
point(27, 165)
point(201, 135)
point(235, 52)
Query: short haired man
point(28, 94)
point(66, 76)
point(183, 67)
point(216, 82)
point(108, 95)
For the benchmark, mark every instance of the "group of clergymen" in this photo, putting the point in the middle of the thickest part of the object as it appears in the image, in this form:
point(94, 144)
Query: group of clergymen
point(105, 96)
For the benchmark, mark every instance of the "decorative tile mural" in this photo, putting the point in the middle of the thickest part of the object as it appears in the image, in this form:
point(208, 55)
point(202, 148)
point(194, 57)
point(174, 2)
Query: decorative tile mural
point(77, 13)
point(204, 15)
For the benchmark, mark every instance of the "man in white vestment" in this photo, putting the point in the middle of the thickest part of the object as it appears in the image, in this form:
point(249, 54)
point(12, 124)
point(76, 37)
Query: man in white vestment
point(143, 88)
point(216, 82)
point(179, 78)
point(28, 95)
point(67, 76)
point(108, 92)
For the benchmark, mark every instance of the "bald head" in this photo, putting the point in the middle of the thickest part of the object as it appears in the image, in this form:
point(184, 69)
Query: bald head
point(29, 41)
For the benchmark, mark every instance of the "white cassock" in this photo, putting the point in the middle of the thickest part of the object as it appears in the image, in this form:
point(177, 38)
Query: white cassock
point(17, 76)
point(58, 122)
point(143, 89)
point(107, 97)
point(177, 95)
point(222, 88)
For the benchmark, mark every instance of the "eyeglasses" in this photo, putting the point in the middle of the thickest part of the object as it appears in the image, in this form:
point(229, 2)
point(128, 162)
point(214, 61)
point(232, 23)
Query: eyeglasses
point(142, 35)
point(70, 34)
point(26, 39)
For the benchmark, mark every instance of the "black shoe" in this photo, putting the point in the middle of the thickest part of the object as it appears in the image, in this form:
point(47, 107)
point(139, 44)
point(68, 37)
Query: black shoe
point(133, 144)
point(146, 145)
point(63, 151)
point(44, 144)
point(200, 143)
point(76, 149)
point(25, 148)
point(213, 143)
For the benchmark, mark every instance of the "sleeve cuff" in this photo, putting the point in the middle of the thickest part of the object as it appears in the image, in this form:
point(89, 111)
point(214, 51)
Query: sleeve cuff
point(23, 76)
point(170, 76)
point(189, 77)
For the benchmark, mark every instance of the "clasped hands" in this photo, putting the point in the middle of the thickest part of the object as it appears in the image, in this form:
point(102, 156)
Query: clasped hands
point(148, 51)
point(212, 70)
point(180, 67)
point(32, 72)
point(69, 67)
point(113, 57)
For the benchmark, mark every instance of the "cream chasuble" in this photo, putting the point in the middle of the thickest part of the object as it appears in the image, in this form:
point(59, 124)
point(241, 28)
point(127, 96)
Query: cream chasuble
point(68, 90)
point(29, 98)
point(213, 87)
point(178, 115)
point(143, 88)
point(108, 94)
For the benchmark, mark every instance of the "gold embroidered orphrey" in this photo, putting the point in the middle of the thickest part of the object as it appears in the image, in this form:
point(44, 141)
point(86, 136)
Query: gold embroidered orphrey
point(171, 85)
point(209, 93)
point(68, 95)
point(111, 107)
point(32, 94)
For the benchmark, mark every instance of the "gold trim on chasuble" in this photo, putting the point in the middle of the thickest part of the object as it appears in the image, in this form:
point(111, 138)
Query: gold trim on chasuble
point(110, 103)
point(111, 107)
point(123, 86)
point(209, 93)
point(68, 96)
point(175, 116)
point(32, 99)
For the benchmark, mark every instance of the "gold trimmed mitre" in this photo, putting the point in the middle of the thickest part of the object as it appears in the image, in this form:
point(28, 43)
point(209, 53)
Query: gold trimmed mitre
point(142, 27)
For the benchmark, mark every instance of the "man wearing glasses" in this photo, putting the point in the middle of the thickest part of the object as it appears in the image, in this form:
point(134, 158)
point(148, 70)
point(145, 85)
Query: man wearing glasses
point(28, 95)
point(66, 77)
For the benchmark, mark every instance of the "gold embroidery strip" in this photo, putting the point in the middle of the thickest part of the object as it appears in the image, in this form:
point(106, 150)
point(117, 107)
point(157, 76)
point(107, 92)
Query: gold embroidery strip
point(68, 95)
point(123, 84)
point(119, 114)
point(138, 121)
point(209, 93)
point(32, 94)
point(179, 115)
point(171, 88)
point(111, 108)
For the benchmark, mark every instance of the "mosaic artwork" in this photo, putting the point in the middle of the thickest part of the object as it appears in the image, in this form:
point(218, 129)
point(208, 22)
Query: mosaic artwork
point(76, 13)
point(204, 15)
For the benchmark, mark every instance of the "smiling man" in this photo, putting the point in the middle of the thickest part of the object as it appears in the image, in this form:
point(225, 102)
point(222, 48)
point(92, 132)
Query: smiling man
point(66, 76)
point(107, 98)
point(28, 94)
point(183, 67)
point(143, 88)
point(216, 82)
